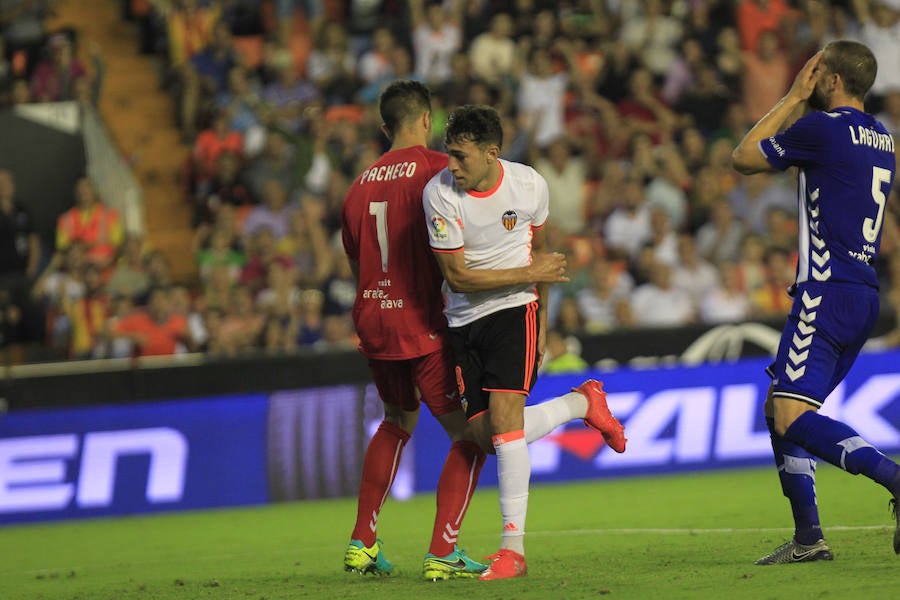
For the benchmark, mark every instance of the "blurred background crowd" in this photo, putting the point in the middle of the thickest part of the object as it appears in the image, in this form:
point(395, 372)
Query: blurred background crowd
point(629, 109)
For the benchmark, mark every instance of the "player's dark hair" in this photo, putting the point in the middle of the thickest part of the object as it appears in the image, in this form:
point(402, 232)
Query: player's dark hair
point(854, 62)
point(474, 123)
point(403, 101)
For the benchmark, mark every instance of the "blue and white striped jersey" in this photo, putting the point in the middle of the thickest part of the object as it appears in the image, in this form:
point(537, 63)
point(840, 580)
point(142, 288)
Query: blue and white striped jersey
point(847, 163)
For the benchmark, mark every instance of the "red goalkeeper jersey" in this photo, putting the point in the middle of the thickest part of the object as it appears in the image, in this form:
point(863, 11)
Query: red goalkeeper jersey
point(398, 311)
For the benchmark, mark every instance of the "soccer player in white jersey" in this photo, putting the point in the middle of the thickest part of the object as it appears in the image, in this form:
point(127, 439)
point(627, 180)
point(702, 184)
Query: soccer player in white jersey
point(485, 218)
point(845, 160)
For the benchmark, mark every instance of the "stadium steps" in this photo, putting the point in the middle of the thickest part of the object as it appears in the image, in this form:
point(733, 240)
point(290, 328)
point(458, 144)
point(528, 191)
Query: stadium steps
point(139, 115)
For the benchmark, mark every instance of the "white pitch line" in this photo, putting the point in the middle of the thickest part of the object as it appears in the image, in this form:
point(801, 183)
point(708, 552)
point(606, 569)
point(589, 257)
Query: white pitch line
point(691, 531)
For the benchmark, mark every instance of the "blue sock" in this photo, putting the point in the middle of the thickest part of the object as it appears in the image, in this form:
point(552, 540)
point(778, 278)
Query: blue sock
point(797, 472)
point(840, 445)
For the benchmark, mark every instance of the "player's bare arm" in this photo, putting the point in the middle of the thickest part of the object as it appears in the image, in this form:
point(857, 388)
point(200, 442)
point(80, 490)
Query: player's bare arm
point(546, 267)
point(539, 245)
point(747, 158)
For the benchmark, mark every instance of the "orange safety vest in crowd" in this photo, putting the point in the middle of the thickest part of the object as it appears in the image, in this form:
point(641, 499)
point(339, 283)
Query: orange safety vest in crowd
point(98, 228)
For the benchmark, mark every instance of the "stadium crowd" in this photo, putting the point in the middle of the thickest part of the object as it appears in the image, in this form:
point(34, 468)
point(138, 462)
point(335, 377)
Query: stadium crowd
point(630, 110)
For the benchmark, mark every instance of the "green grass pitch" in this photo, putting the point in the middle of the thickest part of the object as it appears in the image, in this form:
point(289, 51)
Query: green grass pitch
point(685, 536)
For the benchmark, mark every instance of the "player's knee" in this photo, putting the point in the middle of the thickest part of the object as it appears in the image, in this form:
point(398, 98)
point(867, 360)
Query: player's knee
point(405, 420)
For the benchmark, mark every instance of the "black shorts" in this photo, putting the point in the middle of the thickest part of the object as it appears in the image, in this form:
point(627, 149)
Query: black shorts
point(496, 353)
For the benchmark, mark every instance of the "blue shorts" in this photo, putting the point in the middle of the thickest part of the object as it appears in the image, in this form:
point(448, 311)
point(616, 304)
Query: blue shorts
point(827, 327)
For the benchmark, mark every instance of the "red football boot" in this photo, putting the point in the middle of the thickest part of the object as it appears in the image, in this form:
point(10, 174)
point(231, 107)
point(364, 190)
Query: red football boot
point(598, 416)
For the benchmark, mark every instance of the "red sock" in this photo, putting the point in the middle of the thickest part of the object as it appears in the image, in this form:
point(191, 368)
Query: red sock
point(454, 492)
point(378, 471)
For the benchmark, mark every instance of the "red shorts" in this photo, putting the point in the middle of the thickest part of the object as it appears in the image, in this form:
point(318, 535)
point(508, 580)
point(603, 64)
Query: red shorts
point(431, 377)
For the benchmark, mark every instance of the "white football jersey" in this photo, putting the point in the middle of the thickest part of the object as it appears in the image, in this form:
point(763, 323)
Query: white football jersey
point(493, 229)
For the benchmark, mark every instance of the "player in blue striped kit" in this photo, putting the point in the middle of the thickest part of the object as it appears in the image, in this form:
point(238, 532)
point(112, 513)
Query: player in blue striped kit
point(846, 164)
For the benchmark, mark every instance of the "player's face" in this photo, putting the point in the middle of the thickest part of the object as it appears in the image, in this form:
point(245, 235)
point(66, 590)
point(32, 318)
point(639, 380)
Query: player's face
point(470, 165)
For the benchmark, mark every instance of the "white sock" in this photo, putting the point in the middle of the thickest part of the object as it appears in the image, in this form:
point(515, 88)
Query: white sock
point(513, 474)
point(541, 419)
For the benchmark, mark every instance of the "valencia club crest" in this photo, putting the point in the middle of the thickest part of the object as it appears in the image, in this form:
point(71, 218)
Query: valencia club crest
point(509, 219)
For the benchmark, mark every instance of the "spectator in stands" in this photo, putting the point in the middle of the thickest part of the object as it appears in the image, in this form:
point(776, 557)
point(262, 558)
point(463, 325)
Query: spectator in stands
point(221, 252)
point(339, 289)
point(159, 272)
point(627, 228)
point(879, 22)
point(212, 143)
point(612, 79)
point(719, 238)
point(563, 355)
point(540, 99)
point(663, 237)
point(153, 331)
point(437, 35)
point(189, 27)
point(605, 193)
point(754, 17)
point(273, 213)
point(569, 320)
point(492, 54)
point(337, 335)
point(642, 109)
point(59, 283)
point(782, 228)
point(653, 37)
point(755, 196)
point(242, 326)
point(727, 302)
point(692, 150)
point(596, 303)
point(217, 286)
point(890, 113)
point(729, 58)
point(766, 75)
point(310, 317)
point(693, 274)
point(91, 223)
point(683, 71)
point(306, 244)
point(705, 101)
point(55, 78)
point(20, 246)
point(184, 304)
point(261, 253)
point(463, 87)
point(281, 296)
point(20, 258)
point(289, 96)
point(751, 264)
point(277, 161)
point(242, 102)
point(87, 316)
point(666, 189)
point(376, 65)
point(129, 275)
point(331, 64)
point(658, 303)
point(224, 188)
point(23, 28)
point(399, 66)
point(205, 76)
point(280, 333)
point(771, 300)
point(566, 175)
